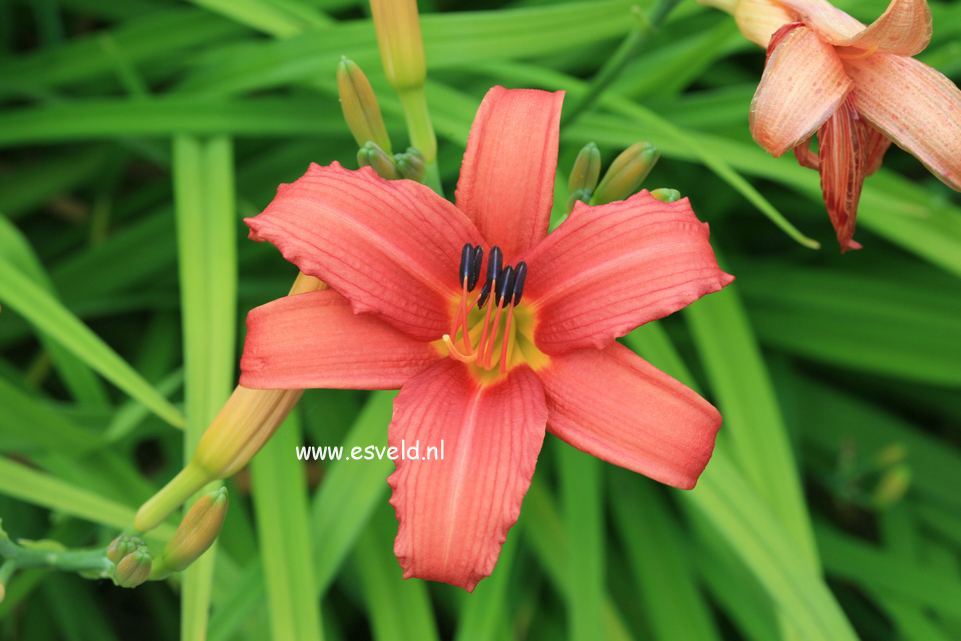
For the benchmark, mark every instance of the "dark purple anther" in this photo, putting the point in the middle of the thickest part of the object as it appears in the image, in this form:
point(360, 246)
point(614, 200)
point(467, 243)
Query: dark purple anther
point(466, 268)
point(484, 295)
point(520, 275)
point(494, 262)
point(476, 261)
point(505, 287)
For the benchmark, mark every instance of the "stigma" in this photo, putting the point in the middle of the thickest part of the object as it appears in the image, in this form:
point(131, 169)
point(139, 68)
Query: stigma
point(477, 333)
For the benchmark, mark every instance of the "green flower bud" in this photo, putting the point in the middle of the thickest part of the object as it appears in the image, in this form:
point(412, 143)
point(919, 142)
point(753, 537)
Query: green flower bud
point(400, 42)
point(196, 533)
point(134, 568)
point(581, 195)
point(371, 155)
point(122, 546)
point(586, 170)
point(892, 486)
point(410, 164)
point(666, 195)
point(360, 107)
point(626, 173)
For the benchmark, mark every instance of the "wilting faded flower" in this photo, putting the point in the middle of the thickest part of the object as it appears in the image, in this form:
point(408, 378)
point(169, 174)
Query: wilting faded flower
point(856, 87)
point(487, 364)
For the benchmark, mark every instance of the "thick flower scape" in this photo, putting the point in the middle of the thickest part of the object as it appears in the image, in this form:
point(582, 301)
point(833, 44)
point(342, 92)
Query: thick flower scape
point(855, 86)
point(489, 366)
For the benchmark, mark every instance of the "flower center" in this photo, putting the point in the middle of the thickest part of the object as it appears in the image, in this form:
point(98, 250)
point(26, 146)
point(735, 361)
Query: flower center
point(491, 330)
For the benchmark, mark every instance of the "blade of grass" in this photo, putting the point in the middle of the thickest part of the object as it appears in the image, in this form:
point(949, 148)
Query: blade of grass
point(280, 500)
point(399, 610)
point(657, 551)
point(206, 238)
point(50, 316)
point(581, 491)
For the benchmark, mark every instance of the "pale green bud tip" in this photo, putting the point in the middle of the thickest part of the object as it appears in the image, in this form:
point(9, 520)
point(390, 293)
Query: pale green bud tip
point(360, 107)
point(586, 170)
point(666, 195)
point(410, 164)
point(371, 155)
point(581, 195)
point(133, 568)
point(197, 532)
point(626, 173)
point(400, 42)
point(893, 485)
point(122, 546)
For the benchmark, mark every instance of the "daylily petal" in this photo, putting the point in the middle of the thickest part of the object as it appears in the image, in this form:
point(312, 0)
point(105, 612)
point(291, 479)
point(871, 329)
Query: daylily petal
point(759, 19)
point(506, 183)
point(903, 29)
point(315, 340)
point(805, 156)
point(875, 147)
point(454, 513)
point(841, 149)
point(613, 267)
point(915, 106)
point(828, 21)
point(803, 84)
point(618, 407)
point(391, 247)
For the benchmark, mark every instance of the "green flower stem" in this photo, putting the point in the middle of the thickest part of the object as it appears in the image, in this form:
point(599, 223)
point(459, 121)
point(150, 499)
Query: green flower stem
point(180, 488)
point(67, 560)
point(636, 38)
point(421, 132)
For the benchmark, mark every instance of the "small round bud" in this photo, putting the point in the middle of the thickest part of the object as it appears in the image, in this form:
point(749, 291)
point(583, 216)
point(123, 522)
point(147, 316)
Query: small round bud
point(666, 195)
point(122, 546)
point(586, 170)
point(371, 155)
point(133, 568)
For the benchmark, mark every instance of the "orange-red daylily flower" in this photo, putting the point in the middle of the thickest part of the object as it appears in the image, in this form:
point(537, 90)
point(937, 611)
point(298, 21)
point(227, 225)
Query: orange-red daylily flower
point(857, 87)
point(487, 366)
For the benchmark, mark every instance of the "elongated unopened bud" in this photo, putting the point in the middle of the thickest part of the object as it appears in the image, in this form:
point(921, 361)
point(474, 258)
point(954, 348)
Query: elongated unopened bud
point(400, 41)
point(134, 568)
point(586, 170)
point(197, 532)
point(360, 107)
point(626, 173)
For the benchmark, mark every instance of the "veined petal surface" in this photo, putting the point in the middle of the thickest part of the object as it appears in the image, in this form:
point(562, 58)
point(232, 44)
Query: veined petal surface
point(315, 340)
point(454, 513)
point(759, 19)
point(618, 407)
point(803, 83)
point(915, 106)
point(903, 29)
point(609, 268)
point(842, 152)
point(392, 248)
point(506, 183)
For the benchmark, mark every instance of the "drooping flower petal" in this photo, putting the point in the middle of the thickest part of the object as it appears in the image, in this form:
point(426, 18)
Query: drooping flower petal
point(803, 84)
point(915, 106)
point(392, 248)
point(759, 19)
point(875, 146)
point(506, 183)
point(829, 22)
point(617, 406)
point(454, 513)
point(841, 153)
point(609, 268)
point(315, 340)
point(903, 29)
